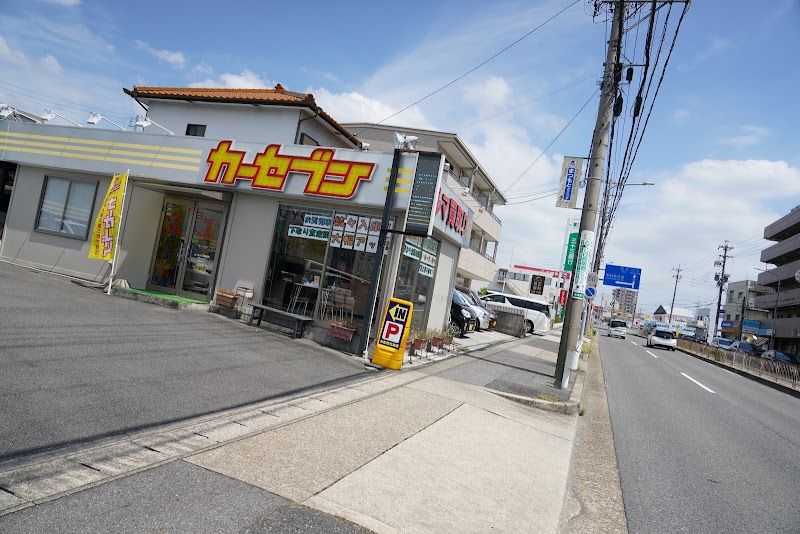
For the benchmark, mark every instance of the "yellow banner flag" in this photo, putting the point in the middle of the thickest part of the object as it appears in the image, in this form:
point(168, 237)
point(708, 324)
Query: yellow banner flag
point(107, 225)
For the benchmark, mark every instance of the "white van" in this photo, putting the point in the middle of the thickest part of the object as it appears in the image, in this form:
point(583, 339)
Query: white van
point(617, 328)
point(538, 319)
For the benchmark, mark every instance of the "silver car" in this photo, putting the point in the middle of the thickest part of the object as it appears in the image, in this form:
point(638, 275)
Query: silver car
point(618, 328)
point(662, 338)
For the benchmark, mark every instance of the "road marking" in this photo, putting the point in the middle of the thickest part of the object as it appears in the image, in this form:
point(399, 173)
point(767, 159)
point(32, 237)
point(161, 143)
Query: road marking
point(633, 342)
point(698, 383)
point(651, 354)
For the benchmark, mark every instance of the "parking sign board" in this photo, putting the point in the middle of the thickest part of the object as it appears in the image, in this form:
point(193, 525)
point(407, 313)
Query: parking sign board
point(619, 276)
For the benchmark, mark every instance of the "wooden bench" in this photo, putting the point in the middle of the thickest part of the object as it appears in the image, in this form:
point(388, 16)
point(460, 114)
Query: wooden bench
point(267, 312)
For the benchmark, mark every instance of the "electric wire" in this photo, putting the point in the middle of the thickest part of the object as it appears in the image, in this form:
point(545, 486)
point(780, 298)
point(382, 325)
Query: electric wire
point(471, 70)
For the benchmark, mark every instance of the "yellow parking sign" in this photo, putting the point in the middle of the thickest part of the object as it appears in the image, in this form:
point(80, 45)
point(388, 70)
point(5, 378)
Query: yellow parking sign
point(391, 343)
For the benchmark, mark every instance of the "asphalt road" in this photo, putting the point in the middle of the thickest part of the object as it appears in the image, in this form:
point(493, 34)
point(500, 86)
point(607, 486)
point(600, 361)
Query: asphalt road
point(77, 365)
point(700, 449)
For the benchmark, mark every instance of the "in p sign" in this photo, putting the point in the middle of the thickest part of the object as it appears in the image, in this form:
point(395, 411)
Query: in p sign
point(394, 332)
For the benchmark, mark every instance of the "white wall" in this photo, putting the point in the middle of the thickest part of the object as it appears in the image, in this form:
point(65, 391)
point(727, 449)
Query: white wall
point(23, 245)
point(227, 121)
point(143, 210)
point(443, 285)
point(248, 238)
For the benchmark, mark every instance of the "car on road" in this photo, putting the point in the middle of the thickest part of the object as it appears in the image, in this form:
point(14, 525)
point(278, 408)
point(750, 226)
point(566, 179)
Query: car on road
point(618, 328)
point(487, 318)
point(462, 316)
point(721, 342)
point(779, 356)
point(745, 348)
point(661, 337)
point(537, 313)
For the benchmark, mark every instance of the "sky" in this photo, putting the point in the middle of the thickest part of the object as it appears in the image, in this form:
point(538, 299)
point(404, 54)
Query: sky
point(721, 145)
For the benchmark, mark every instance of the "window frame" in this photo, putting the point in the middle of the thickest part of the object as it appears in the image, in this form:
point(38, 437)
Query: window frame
point(62, 233)
point(196, 126)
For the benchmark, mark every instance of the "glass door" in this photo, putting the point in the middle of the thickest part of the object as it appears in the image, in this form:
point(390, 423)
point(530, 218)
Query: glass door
point(201, 259)
point(185, 258)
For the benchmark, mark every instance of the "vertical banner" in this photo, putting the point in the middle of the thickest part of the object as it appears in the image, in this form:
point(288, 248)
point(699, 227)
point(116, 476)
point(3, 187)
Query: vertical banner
point(107, 224)
point(570, 179)
point(582, 266)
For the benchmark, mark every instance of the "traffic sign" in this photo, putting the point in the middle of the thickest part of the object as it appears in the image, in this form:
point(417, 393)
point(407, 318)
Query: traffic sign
point(619, 276)
point(590, 292)
point(591, 280)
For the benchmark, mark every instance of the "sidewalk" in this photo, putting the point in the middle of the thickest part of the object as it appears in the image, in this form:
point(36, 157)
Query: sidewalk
point(432, 448)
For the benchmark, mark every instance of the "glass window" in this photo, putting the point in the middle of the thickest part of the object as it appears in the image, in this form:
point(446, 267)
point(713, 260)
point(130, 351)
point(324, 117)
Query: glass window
point(196, 130)
point(415, 275)
point(66, 206)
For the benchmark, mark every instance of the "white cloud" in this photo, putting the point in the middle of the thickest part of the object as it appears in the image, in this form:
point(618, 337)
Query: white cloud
point(680, 114)
point(717, 46)
point(246, 80)
point(488, 95)
point(176, 59)
point(751, 135)
point(11, 55)
point(356, 107)
point(51, 64)
point(203, 68)
point(689, 213)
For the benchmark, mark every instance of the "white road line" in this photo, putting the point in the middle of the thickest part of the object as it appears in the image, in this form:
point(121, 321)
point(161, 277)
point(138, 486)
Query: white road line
point(634, 342)
point(698, 383)
point(651, 354)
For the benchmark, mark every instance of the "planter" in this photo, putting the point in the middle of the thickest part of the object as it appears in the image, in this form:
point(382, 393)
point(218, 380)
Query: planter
point(420, 344)
point(342, 332)
point(226, 299)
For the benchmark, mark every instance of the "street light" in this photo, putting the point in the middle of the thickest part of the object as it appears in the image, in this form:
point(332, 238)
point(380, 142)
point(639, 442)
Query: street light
point(144, 122)
point(775, 309)
point(49, 114)
point(94, 118)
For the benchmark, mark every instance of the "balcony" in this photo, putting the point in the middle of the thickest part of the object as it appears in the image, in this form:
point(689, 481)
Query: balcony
point(785, 227)
point(785, 273)
point(474, 265)
point(790, 297)
point(484, 220)
point(784, 252)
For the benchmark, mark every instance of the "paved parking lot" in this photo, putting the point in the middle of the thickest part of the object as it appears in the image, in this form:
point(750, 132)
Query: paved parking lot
point(77, 365)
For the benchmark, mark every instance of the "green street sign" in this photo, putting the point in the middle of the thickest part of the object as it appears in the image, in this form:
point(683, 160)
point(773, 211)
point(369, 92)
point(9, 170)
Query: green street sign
point(572, 247)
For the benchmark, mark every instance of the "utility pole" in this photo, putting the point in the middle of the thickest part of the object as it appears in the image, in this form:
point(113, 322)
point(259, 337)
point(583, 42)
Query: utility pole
point(572, 316)
point(744, 310)
point(674, 292)
point(721, 279)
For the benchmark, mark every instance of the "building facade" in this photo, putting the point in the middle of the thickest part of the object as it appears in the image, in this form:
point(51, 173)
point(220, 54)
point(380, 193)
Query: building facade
point(527, 281)
point(470, 182)
point(783, 302)
point(742, 319)
point(280, 200)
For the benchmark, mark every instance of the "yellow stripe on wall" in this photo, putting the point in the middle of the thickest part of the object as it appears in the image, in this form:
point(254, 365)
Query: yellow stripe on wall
point(67, 148)
point(105, 158)
point(102, 143)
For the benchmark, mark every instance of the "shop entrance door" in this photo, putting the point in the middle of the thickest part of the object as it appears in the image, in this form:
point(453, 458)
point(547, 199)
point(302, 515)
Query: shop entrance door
point(185, 257)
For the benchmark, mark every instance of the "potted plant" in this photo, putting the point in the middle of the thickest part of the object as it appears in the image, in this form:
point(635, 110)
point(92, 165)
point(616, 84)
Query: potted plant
point(343, 329)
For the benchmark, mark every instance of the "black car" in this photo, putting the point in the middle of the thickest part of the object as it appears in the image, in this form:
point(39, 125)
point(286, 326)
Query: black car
point(779, 356)
point(462, 318)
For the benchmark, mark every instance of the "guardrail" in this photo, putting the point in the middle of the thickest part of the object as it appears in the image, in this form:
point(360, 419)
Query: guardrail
point(783, 373)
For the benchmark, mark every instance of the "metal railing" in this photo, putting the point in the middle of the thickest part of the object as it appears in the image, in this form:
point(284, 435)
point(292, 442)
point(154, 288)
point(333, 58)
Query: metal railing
point(780, 372)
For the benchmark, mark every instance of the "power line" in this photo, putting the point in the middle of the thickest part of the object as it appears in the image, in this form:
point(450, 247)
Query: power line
point(543, 152)
point(471, 70)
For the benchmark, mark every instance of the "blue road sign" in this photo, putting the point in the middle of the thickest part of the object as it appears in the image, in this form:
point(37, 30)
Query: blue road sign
point(590, 292)
point(619, 276)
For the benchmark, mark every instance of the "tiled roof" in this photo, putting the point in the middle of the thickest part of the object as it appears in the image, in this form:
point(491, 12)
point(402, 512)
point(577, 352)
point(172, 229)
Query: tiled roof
point(208, 94)
point(277, 96)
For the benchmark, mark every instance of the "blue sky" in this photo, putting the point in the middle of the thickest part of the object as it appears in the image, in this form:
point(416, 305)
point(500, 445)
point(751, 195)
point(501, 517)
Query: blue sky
point(721, 144)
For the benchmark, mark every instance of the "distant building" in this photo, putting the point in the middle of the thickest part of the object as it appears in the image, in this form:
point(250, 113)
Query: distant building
point(678, 315)
point(785, 255)
point(625, 301)
point(742, 318)
point(530, 281)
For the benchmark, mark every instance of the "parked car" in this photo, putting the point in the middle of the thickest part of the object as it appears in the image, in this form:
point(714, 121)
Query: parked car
point(462, 317)
point(745, 347)
point(618, 328)
point(489, 317)
point(721, 342)
point(779, 356)
point(537, 314)
point(661, 337)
